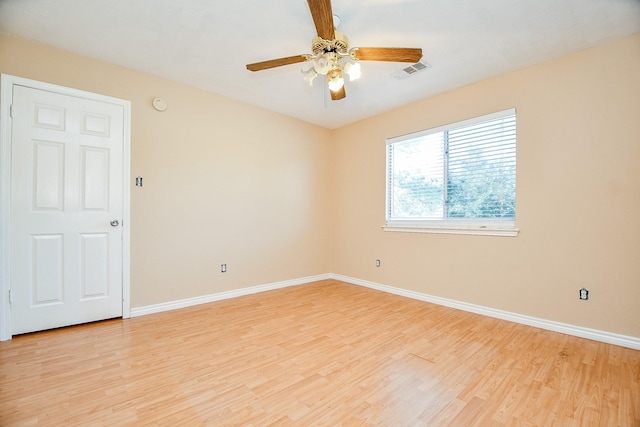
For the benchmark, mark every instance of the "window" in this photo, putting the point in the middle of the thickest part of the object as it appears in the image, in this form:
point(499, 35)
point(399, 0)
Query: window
point(459, 178)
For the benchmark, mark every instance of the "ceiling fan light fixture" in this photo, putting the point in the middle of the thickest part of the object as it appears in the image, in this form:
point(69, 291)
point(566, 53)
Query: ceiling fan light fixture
point(309, 75)
point(335, 80)
point(324, 63)
point(353, 69)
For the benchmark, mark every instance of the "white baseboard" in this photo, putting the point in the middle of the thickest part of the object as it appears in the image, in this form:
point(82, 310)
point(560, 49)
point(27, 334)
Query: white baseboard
point(173, 305)
point(578, 331)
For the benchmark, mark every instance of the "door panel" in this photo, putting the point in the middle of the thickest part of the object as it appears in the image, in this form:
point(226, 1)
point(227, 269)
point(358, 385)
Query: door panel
point(48, 281)
point(66, 187)
point(95, 265)
point(49, 117)
point(95, 179)
point(48, 177)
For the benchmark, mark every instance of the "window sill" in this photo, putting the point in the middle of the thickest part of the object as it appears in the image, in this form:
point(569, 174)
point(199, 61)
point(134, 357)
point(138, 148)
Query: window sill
point(434, 229)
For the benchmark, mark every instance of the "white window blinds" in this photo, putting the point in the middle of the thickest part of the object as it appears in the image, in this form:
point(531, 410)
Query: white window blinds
point(466, 170)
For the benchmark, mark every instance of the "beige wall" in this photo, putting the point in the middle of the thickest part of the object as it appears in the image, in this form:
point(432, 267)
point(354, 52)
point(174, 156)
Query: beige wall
point(578, 196)
point(224, 182)
point(268, 195)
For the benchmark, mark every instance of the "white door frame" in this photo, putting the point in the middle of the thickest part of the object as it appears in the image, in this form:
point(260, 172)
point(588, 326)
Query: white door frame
point(6, 98)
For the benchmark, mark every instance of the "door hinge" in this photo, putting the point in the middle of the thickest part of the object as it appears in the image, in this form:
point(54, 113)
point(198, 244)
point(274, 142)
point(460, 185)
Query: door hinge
point(10, 297)
point(11, 111)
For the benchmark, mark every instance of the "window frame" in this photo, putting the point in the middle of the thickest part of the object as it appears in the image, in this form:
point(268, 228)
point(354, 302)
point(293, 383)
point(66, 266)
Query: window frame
point(477, 226)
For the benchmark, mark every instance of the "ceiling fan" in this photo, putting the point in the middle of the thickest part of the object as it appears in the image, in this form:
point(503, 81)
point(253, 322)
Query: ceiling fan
point(332, 56)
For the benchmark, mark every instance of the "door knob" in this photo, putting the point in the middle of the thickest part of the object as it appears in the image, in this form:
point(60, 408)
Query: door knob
point(115, 223)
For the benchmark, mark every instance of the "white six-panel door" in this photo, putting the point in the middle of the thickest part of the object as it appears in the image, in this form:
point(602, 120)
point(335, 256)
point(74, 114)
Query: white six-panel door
point(66, 210)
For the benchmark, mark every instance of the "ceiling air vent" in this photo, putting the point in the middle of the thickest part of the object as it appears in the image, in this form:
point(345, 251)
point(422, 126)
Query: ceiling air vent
point(411, 70)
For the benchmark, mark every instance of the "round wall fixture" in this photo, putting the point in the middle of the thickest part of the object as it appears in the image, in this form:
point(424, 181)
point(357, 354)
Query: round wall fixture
point(159, 104)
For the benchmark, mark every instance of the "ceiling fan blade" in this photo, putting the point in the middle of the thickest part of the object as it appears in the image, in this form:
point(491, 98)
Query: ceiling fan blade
point(338, 95)
point(391, 54)
point(322, 18)
point(272, 63)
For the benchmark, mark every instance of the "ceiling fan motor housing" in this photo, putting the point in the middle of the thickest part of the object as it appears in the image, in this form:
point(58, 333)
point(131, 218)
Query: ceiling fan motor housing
point(328, 52)
point(340, 44)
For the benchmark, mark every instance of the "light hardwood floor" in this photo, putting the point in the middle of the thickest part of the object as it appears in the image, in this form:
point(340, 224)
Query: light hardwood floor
point(324, 354)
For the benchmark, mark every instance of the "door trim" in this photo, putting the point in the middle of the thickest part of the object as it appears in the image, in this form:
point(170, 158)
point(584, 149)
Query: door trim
point(7, 82)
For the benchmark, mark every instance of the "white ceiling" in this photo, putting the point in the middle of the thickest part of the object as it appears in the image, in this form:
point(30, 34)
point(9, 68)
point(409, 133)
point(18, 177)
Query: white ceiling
point(206, 43)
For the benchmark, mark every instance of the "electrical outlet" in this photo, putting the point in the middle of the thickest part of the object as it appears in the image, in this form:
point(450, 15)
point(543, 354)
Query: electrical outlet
point(584, 294)
point(377, 263)
point(223, 268)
